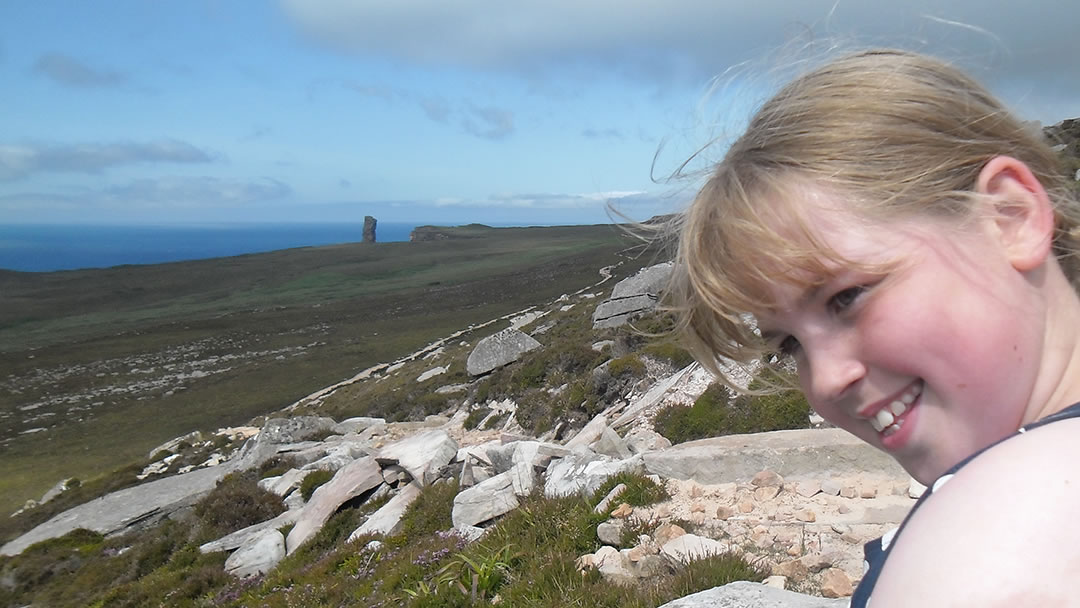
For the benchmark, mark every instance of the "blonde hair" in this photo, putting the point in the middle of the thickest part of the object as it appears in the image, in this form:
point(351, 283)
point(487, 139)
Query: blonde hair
point(897, 133)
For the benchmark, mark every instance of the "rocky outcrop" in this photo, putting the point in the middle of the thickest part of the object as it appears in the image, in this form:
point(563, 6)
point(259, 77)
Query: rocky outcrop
point(387, 520)
point(632, 296)
point(369, 228)
point(499, 349)
point(423, 455)
point(126, 509)
point(794, 453)
point(743, 594)
point(361, 476)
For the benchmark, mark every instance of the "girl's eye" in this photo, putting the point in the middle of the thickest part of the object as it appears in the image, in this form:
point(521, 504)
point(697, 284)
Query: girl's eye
point(845, 298)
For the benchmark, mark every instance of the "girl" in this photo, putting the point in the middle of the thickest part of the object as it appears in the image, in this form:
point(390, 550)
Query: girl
point(889, 227)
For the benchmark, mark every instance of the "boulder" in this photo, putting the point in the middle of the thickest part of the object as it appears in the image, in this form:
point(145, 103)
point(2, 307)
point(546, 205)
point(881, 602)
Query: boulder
point(588, 434)
point(584, 473)
point(744, 594)
point(610, 532)
point(243, 536)
point(258, 555)
point(610, 444)
point(283, 484)
point(499, 349)
point(422, 455)
point(632, 296)
point(484, 501)
point(645, 440)
point(356, 425)
point(691, 547)
point(803, 453)
point(387, 520)
point(355, 479)
point(291, 430)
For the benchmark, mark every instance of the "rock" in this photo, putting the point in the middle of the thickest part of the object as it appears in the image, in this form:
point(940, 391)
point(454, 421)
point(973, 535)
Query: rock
point(847, 492)
point(691, 547)
point(665, 533)
point(484, 501)
point(604, 504)
point(257, 556)
point(610, 444)
point(392, 474)
point(766, 493)
point(127, 509)
point(431, 373)
point(643, 440)
point(499, 349)
point(239, 538)
point(613, 566)
point(794, 453)
point(836, 583)
point(357, 425)
point(522, 478)
point(599, 346)
point(470, 533)
point(56, 490)
point(806, 515)
point(632, 295)
point(584, 473)
point(283, 484)
point(745, 505)
point(588, 434)
point(647, 566)
point(867, 492)
point(360, 476)
point(622, 511)
point(806, 489)
point(387, 520)
point(724, 512)
point(610, 533)
point(794, 569)
point(915, 489)
point(767, 479)
point(422, 455)
point(775, 581)
point(170, 446)
point(369, 229)
point(744, 594)
point(830, 487)
point(280, 431)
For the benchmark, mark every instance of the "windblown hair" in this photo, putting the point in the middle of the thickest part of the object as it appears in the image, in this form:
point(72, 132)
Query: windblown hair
point(895, 133)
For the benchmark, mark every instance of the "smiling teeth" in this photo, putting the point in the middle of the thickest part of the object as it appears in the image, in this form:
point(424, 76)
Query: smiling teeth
point(886, 418)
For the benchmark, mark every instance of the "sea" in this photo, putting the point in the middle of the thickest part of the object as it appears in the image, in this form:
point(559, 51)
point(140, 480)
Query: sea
point(45, 248)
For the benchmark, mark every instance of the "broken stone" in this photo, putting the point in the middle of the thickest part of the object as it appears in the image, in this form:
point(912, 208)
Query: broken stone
point(806, 516)
point(836, 583)
point(806, 489)
point(766, 493)
point(258, 556)
point(610, 533)
point(765, 479)
point(667, 532)
point(724, 512)
point(622, 511)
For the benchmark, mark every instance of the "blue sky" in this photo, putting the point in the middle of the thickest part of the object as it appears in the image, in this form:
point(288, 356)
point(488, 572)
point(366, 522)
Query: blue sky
point(433, 111)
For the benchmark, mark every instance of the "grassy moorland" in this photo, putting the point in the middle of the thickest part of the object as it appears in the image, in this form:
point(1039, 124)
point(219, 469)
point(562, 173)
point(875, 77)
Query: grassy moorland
point(97, 367)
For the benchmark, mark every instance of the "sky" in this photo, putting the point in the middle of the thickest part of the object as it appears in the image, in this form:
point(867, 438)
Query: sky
point(429, 111)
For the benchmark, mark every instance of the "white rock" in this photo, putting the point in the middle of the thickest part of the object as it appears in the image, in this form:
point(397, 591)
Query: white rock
point(355, 479)
point(258, 556)
point(431, 373)
point(387, 520)
point(422, 455)
point(690, 547)
point(484, 501)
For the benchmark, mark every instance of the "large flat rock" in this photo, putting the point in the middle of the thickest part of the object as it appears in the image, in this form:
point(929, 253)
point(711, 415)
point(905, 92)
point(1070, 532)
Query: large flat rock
point(499, 349)
point(745, 594)
point(128, 508)
point(422, 455)
point(349, 482)
point(792, 454)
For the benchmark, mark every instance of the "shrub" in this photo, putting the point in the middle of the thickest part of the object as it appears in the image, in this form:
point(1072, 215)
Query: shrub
point(640, 490)
point(236, 502)
point(475, 417)
point(628, 365)
point(717, 413)
point(669, 351)
point(313, 480)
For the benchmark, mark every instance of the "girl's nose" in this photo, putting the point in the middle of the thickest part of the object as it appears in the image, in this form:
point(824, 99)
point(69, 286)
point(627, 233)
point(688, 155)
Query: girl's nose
point(833, 368)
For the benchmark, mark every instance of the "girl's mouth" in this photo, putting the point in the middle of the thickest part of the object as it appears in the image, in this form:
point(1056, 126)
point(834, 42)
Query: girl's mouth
point(890, 418)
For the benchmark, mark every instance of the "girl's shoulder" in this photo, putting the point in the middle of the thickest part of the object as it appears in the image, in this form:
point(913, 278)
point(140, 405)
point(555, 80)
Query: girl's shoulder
point(1002, 531)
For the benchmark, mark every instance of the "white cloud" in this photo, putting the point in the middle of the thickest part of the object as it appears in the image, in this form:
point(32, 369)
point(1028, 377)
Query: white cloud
point(21, 160)
point(695, 39)
point(194, 191)
point(488, 122)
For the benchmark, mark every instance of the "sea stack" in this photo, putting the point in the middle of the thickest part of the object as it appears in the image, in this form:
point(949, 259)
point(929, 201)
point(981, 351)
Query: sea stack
point(369, 229)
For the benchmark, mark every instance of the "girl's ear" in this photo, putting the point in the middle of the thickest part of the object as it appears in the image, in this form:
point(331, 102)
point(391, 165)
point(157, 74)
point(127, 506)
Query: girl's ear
point(1020, 209)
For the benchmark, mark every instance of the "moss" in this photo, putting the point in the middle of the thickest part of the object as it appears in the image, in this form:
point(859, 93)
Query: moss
point(670, 352)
